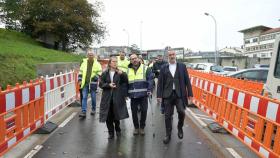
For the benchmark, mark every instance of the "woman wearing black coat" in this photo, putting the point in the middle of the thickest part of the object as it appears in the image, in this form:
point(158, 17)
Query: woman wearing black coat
point(113, 102)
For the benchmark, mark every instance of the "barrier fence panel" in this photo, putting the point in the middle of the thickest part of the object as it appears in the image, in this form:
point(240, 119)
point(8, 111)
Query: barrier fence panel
point(21, 112)
point(251, 86)
point(252, 118)
point(60, 92)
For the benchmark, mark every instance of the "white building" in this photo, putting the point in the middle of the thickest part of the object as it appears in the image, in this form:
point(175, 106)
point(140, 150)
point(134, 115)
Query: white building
point(259, 41)
point(233, 50)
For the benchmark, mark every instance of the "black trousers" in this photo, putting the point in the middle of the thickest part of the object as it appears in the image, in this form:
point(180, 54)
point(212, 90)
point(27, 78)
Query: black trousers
point(169, 104)
point(142, 103)
point(111, 120)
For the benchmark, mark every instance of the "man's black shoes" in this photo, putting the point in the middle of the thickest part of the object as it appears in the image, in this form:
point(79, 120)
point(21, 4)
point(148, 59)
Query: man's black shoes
point(111, 136)
point(180, 133)
point(83, 114)
point(118, 133)
point(167, 139)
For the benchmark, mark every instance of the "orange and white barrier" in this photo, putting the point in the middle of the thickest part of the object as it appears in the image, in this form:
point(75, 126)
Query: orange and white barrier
point(250, 117)
point(22, 112)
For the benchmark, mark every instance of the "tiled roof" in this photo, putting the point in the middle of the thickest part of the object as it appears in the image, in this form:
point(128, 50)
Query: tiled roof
point(271, 31)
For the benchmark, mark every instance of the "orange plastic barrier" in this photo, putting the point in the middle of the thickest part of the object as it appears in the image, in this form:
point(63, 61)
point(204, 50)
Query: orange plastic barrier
point(252, 118)
point(251, 86)
point(21, 112)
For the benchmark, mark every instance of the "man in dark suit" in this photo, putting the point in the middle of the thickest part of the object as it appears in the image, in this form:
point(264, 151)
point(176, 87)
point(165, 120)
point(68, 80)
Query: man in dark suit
point(174, 89)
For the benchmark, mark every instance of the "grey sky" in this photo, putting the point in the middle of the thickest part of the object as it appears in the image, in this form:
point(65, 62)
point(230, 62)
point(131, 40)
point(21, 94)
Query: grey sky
point(182, 23)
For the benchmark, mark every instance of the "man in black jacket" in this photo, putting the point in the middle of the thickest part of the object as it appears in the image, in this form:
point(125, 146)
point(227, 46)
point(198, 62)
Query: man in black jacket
point(174, 88)
point(157, 65)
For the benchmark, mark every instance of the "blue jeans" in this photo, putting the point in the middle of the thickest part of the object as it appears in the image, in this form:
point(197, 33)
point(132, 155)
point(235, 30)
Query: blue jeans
point(85, 92)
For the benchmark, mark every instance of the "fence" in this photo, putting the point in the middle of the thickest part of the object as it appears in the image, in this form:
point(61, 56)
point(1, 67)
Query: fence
point(251, 86)
point(21, 113)
point(25, 108)
point(60, 92)
point(250, 117)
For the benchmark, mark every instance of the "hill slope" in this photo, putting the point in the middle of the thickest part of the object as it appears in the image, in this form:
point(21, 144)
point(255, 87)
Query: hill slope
point(19, 55)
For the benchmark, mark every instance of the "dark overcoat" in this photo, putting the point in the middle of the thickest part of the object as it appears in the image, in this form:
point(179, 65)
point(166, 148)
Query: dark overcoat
point(118, 96)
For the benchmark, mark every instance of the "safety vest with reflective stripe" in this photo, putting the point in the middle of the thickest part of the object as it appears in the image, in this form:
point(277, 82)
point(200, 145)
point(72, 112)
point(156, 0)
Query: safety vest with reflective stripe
point(95, 71)
point(137, 82)
point(123, 64)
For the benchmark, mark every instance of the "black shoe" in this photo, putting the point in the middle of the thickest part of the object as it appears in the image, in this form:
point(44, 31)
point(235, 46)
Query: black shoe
point(92, 112)
point(180, 133)
point(83, 114)
point(111, 136)
point(166, 140)
point(118, 133)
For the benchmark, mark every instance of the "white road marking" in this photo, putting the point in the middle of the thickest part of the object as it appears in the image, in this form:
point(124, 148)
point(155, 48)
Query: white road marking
point(233, 153)
point(199, 120)
point(67, 120)
point(34, 151)
point(205, 118)
point(202, 115)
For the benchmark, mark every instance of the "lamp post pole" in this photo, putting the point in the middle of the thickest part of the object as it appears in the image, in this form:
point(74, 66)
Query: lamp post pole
point(216, 47)
point(141, 22)
point(127, 36)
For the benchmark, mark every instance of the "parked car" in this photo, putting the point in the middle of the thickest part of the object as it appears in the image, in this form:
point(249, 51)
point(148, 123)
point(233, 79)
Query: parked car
point(209, 67)
point(261, 66)
point(255, 74)
point(230, 69)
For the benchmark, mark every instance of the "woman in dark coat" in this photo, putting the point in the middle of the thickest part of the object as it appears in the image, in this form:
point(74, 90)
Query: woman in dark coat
point(113, 108)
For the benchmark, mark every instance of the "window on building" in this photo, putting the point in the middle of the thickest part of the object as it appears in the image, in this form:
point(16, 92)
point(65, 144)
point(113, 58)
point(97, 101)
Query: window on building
point(263, 55)
point(247, 49)
point(277, 64)
point(255, 40)
point(257, 48)
point(247, 41)
point(255, 55)
point(273, 36)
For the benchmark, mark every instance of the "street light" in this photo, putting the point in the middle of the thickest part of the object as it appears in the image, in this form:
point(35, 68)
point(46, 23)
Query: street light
point(207, 14)
point(141, 22)
point(127, 36)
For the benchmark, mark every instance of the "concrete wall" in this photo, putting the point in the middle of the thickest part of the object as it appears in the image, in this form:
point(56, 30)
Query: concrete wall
point(51, 68)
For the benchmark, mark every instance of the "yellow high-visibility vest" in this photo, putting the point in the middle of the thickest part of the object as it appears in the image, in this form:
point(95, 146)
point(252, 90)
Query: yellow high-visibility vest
point(137, 81)
point(123, 64)
point(96, 70)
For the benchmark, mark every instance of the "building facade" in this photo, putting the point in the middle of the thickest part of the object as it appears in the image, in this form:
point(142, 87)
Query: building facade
point(259, 41)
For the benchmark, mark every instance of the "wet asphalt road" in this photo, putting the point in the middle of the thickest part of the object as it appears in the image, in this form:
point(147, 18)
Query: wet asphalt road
point(87, 138)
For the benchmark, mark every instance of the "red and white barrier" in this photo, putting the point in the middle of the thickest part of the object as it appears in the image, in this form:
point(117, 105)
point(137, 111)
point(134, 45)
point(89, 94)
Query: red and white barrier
point(60, 92)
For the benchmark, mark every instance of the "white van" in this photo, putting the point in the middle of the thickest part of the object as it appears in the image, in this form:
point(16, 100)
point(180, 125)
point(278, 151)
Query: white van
point(272, 86)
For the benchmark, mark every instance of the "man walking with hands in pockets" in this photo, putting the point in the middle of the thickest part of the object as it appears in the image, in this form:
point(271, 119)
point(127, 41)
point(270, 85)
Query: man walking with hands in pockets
point(174, 89)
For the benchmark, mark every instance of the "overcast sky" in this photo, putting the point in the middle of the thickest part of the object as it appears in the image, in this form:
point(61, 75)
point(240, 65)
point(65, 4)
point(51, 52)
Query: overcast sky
point(182, 23)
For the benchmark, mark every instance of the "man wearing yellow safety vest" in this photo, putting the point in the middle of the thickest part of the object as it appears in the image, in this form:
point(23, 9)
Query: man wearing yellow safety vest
point(140, 80)
point(90, 70)
point(122, 62)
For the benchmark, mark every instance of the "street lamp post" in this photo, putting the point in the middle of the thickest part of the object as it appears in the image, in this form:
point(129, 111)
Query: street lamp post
point(141, 22)
point(127, 36)
point(207, 14)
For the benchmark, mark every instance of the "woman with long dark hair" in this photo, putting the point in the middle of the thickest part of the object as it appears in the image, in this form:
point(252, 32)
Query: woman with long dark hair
point(113, 108)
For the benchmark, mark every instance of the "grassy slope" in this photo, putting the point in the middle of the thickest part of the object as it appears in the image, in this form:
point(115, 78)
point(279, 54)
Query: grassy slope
point(19, 55)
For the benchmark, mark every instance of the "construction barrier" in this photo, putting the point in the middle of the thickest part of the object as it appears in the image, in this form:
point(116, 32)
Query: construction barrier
point(247, 85)
point(60, 92)
point(250, 117)
point(21, 112)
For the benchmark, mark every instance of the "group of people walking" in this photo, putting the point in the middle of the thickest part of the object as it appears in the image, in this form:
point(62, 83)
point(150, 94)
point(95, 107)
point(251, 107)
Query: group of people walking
point(132, 79)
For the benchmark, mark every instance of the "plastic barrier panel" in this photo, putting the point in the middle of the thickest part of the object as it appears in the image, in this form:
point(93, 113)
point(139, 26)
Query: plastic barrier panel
point(60, 92)
point(21, 113)
point(252, 118)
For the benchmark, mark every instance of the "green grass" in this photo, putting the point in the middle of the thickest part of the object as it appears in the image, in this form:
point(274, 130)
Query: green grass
point(19, 55)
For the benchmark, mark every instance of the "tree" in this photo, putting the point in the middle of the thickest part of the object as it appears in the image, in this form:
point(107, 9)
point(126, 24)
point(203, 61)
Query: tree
point(134, 48)
point(10, 13)
point(72, 23)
